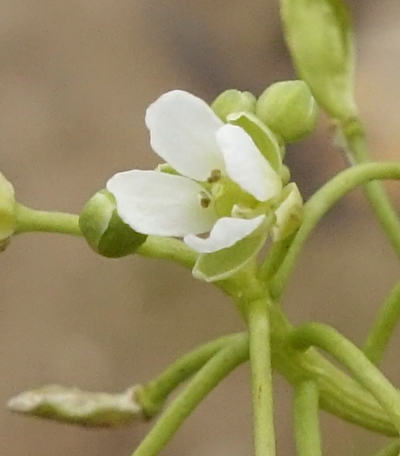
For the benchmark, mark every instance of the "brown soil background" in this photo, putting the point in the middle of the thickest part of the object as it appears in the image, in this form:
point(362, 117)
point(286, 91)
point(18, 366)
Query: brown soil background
point(75, 79)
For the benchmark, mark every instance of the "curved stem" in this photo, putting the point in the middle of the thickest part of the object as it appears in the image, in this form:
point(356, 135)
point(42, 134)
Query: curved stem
point(339, 393)
point(217, 368)
point(357, 152)
point(153, 394)
point(306, 421)
point(382, 329)
point(354, 360)
point(29, 220)
point(261, 377)
point(393, 449)
point(321, 202)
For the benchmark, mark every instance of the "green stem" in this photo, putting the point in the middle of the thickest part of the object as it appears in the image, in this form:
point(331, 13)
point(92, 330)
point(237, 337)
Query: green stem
point(321, 202)
point(306, 421)
point(354, 360)
point(393, 449)
point(217, 368)
point(357, 151)
point(339, 393)
point(383, 327)
point(261, 378)
point(29, 220)
point(274, 258)
point(153, 394)
point(168, 249)
point(32, 220)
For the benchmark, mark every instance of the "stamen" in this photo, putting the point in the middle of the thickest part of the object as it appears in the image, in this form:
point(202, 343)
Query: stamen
point(204, 200)
point(215, 176)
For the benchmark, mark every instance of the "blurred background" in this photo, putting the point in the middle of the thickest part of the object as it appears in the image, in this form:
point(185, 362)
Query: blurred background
point(75, 80)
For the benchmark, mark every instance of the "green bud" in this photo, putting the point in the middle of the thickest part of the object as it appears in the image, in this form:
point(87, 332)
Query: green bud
point(73, 406)
point(318, 34)
point(289, 109)
point(7, 211)
point(233, 100)
point(103, 229)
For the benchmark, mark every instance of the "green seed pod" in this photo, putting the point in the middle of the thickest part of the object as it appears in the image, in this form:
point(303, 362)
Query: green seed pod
point(103, 229)
point(319, 36)
point(7, 212)
point(289, 109)
point(233, 100)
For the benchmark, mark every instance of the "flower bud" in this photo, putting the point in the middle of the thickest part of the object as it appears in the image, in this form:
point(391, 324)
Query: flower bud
point(318, 34)
point(289, 109)
point(73, 406)
point(7, 211)
point(233, 100)
point(103, 229)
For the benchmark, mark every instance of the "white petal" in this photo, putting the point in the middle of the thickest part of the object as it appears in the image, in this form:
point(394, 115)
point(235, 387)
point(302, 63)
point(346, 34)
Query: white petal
point(161, 204)
point(182, 132)
point(245, 164)
point(225, 233)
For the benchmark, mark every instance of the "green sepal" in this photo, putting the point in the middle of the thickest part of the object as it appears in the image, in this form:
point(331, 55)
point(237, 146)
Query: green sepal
point(7, 212)
point(103, 229)
point(212, 267)
point(289, 213)
point(233, 100)
point(263, 137)
point(319, 37)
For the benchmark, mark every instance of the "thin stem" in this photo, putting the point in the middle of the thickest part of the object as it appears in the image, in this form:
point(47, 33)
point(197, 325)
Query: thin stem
point(261, 378)
point(29, 220)
point(153, 394)
point(319, 204)
point(354, 360)
point(32, 220)
point(383, 327)
point(274, 258)
point(357, 151)
point(339, 393)
point(217, 368)
point(393, 449)
point(306, 421)
point(168, 249)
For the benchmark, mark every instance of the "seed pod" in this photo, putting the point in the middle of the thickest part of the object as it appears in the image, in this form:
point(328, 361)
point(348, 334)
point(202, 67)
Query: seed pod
point(319, 37)
point(103, 229)
point(289, 109)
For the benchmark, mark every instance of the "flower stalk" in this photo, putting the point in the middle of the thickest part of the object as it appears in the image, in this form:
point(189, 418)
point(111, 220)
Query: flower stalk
point(261, 377)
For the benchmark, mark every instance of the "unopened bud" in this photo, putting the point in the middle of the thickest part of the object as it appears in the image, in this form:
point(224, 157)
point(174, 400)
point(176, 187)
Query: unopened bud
point(7, 211)
point(289, 109)
point(73, 406)
point(233, 100)
point(103, 229)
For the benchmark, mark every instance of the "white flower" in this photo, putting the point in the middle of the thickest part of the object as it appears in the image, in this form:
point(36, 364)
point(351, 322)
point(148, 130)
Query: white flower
point(220, 174)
